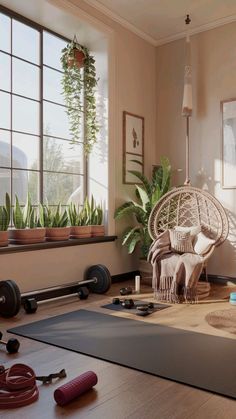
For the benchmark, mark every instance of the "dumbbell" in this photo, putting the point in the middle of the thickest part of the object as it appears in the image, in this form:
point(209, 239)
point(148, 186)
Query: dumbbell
point(83, 293)
point(126, 303)
point(126, 291)
point(12, 345)
point(145, 309)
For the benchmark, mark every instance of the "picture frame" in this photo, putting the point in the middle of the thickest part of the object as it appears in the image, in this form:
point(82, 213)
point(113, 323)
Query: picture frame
point(228, 134)
point(133, 146)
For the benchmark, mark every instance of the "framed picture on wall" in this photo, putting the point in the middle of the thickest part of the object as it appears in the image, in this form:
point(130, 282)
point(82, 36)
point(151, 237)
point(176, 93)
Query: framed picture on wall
point(228, 114)
point(133, 146)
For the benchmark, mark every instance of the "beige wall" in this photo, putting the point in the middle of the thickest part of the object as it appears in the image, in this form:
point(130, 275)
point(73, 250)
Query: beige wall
point(214, 79)
point(133, 89)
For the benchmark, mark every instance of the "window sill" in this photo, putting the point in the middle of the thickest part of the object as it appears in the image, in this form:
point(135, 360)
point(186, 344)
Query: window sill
point(15, 248)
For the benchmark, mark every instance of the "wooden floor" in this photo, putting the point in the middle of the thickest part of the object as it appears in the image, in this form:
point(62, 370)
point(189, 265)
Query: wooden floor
point(121, 392)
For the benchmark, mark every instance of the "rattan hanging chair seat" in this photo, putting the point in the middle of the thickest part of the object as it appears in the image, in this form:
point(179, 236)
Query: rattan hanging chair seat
point(187, 206)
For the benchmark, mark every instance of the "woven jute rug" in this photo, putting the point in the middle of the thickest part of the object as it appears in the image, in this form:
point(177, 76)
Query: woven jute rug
point(223, 319)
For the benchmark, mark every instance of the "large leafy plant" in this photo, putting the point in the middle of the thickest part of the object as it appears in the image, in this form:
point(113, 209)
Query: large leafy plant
point(147, 194)
point(79, 87)
point(5, 214)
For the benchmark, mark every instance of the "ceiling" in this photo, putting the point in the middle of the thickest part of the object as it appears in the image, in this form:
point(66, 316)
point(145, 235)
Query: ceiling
point(162, 21)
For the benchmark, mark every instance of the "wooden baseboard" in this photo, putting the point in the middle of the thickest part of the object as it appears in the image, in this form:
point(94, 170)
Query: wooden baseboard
point(124, 277)
point(220, 279)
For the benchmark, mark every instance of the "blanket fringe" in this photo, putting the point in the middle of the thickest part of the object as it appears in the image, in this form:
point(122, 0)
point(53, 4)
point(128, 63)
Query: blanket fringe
point(172, 292)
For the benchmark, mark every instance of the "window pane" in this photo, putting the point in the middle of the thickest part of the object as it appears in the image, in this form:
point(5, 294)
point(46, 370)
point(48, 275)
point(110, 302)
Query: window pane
point(55, 120)
point(25, 115)
point(25, 151)
point(25, 42)
point(5, 72)
point(62, 156)
point(59, 187)
point(5, 106)
point(5, 33)
point(52, 88)
point(52, 47)
point(5, 149)
point(5, 175)
point(22, 182)
point(25, 79)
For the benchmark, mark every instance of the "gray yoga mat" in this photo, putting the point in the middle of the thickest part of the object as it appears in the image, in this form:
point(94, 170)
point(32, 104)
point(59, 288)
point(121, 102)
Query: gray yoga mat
point(203, 361)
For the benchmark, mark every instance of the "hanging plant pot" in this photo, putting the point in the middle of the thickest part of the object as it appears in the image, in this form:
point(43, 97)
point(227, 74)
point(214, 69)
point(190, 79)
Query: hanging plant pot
point(76, 58)
point(3, 238)
point(79, 92)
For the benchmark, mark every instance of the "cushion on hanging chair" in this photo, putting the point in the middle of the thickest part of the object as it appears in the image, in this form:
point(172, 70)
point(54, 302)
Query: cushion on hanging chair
point(181, 241)
point(193, 230)
point(202, 244)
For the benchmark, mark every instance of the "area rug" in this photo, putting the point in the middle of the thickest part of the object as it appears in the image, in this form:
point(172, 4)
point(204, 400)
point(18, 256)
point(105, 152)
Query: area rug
point(196, 359)
point(223, 319)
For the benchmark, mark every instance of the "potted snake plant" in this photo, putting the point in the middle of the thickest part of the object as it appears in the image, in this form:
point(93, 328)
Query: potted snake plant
point(55, 222)
point(79, 221)
point(95, 217)
point(27, 226)
point(5, 211)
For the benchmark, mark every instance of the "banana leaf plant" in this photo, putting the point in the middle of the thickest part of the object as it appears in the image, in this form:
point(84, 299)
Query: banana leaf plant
point(5, 214)
point(147, 194)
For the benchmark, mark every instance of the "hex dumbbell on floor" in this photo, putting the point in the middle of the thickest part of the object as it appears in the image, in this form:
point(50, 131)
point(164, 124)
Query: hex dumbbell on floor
point(96, 279)
point(12, 345)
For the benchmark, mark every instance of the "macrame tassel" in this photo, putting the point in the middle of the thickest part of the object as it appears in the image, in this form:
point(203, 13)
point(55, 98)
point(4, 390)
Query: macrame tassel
point(163, 292)
point(190, 295)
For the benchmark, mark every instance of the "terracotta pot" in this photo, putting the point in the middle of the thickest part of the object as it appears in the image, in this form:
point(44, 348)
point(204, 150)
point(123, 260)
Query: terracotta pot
point(27, 235)
point(77, 57)
point(98, 230)
point(145, 269)
point(3, 238)
point(79, 232)
point(57, 233)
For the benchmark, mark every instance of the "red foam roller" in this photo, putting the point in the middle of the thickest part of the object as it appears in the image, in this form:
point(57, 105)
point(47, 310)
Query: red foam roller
point(74, 388)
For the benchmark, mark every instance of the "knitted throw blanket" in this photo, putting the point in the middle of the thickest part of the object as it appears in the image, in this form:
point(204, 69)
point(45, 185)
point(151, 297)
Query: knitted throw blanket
point(175, 276)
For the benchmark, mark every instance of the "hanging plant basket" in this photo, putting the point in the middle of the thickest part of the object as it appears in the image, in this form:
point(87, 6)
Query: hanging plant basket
point(76, 58)
point(79, 90)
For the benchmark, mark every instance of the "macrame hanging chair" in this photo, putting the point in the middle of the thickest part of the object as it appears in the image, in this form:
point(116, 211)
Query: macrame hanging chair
point(186, 205)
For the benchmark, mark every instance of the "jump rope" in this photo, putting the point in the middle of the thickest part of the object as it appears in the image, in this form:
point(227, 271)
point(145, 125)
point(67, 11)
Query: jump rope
point(18, 386)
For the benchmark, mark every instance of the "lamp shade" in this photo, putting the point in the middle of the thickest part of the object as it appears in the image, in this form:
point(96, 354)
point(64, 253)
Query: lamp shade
point(187, 106)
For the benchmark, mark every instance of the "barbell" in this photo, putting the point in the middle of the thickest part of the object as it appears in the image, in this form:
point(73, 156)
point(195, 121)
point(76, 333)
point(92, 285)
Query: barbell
point(96, 277)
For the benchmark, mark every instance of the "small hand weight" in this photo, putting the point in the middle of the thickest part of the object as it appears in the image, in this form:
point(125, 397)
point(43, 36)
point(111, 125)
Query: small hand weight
point(116, 301)
point(126, 291)
point(128, 303)
point(12, 345)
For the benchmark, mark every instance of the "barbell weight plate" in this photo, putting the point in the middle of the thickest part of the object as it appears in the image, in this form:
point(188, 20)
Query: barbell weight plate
point(9, 290)
point(103, 278)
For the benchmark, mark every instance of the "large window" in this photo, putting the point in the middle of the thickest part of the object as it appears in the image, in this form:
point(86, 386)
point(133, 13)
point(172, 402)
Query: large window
point(36, 153)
